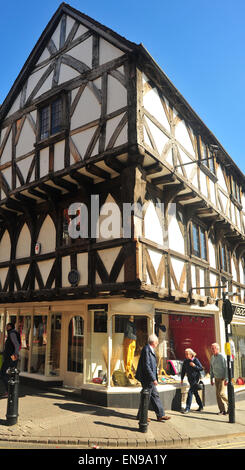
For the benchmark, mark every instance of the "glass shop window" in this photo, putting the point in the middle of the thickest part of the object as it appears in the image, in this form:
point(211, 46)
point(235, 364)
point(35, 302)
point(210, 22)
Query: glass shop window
point(39, 344)
point(54, 351)
point(130, 334)
point(75, 345)
point(100, 322)
point(1, 331)
point(24, 328)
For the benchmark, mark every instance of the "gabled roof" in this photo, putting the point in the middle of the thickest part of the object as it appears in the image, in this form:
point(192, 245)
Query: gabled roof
point(108, 34)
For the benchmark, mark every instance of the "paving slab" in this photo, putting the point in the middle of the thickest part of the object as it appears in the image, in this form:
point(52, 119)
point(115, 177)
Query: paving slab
point(64, 419)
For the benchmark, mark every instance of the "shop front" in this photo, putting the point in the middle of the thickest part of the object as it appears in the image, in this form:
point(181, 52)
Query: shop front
point(238, 337)
point(95, 348)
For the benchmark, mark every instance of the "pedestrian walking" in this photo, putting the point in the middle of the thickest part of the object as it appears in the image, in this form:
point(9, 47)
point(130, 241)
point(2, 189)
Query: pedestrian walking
point(192, 368)
point(218, 375)
point(147, 374)
point(10, 354)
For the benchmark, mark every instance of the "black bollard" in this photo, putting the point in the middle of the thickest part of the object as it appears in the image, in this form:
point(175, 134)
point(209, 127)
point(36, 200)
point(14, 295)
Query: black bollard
point(13, 396)
point(144, 404)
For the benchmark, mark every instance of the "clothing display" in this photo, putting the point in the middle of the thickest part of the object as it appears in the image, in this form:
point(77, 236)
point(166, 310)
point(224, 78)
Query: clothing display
point(129, 346)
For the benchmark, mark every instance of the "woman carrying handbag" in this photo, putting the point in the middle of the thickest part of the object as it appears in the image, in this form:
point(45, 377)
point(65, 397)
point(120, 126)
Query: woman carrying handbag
point(192, 368)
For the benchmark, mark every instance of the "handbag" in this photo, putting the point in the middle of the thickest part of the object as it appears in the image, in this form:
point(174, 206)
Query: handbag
point(200, 385)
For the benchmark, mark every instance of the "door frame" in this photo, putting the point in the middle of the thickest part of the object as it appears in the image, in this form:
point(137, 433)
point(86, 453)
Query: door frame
point(72, 379)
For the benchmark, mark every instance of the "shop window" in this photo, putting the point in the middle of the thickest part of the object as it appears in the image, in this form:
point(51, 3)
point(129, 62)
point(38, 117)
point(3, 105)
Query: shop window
point(54, 350)
point(75, 345)
point(39, 343)
point(1, 331)
point(100, 322)
point(198, 241)
point(24, 328)
point(130, 334)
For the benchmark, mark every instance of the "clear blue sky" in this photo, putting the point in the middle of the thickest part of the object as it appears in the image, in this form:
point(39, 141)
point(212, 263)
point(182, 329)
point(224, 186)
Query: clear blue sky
point(199, 44)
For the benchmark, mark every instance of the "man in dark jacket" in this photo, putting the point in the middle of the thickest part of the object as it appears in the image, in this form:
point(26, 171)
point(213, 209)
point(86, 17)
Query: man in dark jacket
point(10, 354)
point(147, 374)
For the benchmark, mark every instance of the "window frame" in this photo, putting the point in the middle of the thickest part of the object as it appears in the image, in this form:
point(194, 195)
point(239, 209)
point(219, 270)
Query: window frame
point(224, 257)
point(201, 251)
point(63, 128)
point(204, 160)
point(236, 191)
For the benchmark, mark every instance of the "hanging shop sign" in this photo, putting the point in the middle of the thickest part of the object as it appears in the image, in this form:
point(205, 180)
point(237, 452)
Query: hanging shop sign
point(238, 310)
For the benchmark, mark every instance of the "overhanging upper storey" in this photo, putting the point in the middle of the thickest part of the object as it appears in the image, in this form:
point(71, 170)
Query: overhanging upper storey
point(182, 157)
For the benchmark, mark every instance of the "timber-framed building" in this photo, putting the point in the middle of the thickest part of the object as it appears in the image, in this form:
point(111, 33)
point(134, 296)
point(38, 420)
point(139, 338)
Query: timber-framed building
point(92, 119)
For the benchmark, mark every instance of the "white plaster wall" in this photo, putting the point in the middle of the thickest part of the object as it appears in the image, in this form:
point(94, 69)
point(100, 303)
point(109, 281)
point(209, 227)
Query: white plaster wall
point(45, 268)
point(152, 226)
point(117, 95)
point(7, 152)
point(178, 266)
point(211, 250)
point(83, 52)
point(185, 159)
point(108, 52)
point(3, 275)
point(22, 272)
point(44, 162)
point(110, 221)
point(48, 243)
point(153, 104)
point(203, 184)
point(221, 180)
point(82, 267)
point(87, 110)
point(182, 136)
point(67, 73)
point(59, 154)
point(175, 237)
point(5, 247)
point(66, 267)
point(83, 139)
point(23, 248)
point(26, 140)
point(159, 137)
point(24, 166)
point(212, 192)
point(34, 79)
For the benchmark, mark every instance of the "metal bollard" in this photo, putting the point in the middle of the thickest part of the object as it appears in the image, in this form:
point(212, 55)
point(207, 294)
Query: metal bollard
point(144, 404)
point(13, 396)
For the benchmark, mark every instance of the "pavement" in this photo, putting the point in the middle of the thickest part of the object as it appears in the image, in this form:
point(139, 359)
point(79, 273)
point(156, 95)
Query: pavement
point(57, 416)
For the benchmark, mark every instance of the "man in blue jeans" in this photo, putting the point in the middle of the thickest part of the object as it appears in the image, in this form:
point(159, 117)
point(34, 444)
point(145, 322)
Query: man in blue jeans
point(10, 355)
point(147, 374)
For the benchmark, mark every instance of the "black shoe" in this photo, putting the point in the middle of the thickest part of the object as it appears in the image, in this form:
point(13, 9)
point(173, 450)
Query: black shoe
point(200, 408)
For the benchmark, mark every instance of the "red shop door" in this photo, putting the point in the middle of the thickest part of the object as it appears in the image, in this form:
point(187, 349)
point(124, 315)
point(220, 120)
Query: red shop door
point(189, 331)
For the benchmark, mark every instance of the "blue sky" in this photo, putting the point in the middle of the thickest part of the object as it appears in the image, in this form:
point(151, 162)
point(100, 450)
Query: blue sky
point(199, 45)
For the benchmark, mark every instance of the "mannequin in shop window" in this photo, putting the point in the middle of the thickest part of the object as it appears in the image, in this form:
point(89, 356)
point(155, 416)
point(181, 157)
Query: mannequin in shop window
point(161, 348)
point(42, 341)
point(129, 345)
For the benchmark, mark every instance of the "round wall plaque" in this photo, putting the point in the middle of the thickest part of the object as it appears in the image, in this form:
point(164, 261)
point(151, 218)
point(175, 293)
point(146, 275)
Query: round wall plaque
point(73, 277)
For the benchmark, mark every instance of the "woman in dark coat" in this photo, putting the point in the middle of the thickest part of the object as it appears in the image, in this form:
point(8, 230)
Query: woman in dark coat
point(192, 368)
